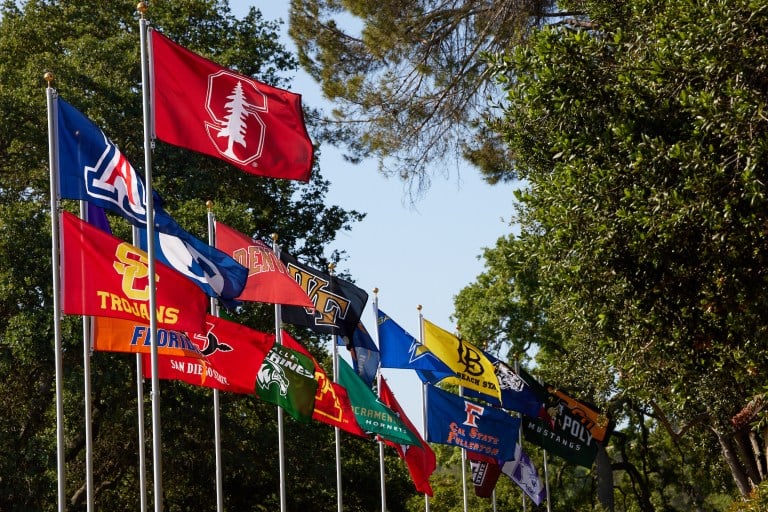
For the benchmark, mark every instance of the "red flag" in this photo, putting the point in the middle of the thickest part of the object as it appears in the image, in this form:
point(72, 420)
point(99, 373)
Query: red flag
point(235, 353)
point(268, 279)
point(332, 405)
point(204, 107)
point(419, 459)
point(485, 473)
point(104, 276)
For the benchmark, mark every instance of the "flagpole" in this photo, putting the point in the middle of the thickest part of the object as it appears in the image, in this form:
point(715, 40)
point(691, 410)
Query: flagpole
point(382, 468)
point(423, 397)
point(546, 482)
point(53, 162)
point(216, 399)
point(140, 415)
point(464, 467)
point(150, 215)
point(336, 430)
point(87, 393)
point(520, 431)
point(280, 428)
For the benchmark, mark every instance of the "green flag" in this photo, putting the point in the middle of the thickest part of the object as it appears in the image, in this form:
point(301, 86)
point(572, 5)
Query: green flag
point(372, 415)
point(287, 379)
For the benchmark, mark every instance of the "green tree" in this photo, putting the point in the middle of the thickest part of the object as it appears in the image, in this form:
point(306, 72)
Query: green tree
point(94, 54)
point(642, 141)
point(407, 77)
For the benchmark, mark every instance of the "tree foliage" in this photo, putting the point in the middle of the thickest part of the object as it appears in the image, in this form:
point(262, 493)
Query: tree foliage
point(642, 143)
point(95, 56)
point(407, 77)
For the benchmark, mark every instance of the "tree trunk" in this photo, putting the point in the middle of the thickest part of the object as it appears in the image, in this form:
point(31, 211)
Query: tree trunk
point(747, 456)
point(604, 479)
point(758, 453)
point(737, 471)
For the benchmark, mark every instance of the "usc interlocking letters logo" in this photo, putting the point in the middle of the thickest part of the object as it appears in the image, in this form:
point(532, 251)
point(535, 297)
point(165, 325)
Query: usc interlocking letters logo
point(133, 266)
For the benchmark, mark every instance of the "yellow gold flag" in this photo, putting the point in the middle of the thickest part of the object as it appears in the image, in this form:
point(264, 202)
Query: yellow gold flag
point(473, 369)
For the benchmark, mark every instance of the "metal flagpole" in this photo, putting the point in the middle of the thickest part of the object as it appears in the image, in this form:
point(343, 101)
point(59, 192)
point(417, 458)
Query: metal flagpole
point(464, 467)
point(423, 397)
point(53, 162)
point(336, 430)
point(382, 469)
point(216, 402)
point(140, 414)
point(87, 394)
point(520, 431)
point(280, 429)
point(546, 482)
point(157, 468)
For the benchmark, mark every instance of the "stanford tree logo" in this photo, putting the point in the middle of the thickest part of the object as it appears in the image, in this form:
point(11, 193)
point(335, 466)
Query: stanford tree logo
point(233, 104)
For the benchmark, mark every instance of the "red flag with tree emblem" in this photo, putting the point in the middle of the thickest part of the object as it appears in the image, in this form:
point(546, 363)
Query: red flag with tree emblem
point(105, 276)
point(201, 106)
point(332, 404)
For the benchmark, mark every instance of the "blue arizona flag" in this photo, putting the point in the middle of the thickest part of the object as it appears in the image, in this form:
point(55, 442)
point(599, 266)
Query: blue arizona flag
point(93, 169)
point(401, 350)
point(365, 355)
point(456, 421)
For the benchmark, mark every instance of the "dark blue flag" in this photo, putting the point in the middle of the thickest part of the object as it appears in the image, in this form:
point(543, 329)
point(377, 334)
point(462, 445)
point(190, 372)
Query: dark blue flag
point(93, 169)
point(401, 350)
point(458, 421)
point(516, 394)
point(365, 355)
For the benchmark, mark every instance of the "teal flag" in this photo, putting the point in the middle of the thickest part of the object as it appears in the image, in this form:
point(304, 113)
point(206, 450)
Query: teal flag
point(287, 379)
point(372, 415)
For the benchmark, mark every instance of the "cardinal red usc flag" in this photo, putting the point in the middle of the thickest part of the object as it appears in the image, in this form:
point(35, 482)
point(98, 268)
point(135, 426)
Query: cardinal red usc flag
point(268, 279)
point(332, 404)
point(204, 107)
point(234, 353)
point(104, 276)
point(117, 335)
point(419, 459)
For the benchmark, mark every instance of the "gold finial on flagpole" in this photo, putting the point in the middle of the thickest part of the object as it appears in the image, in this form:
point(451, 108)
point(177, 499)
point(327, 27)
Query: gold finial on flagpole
point(48, 76)
point(273, 236)
point(375, 291)
point(142, 8)
point(209, 205)
point(419, 308)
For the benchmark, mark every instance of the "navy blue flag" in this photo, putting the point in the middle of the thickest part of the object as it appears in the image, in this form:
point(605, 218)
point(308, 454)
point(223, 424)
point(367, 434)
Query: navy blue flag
point(457, 421)
point(93, 169)
point(516, 394)
point(401, 350)
point(365, 355)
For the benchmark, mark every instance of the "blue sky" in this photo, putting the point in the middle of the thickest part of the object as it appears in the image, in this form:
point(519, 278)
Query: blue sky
point(421, 254)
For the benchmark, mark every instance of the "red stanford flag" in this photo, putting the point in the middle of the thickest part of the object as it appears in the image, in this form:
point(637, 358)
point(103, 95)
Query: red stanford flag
point(204, 107)
point(419, 459)
point(234, 353)
point(332, 405)
point(268, 279)
point(104, 276)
